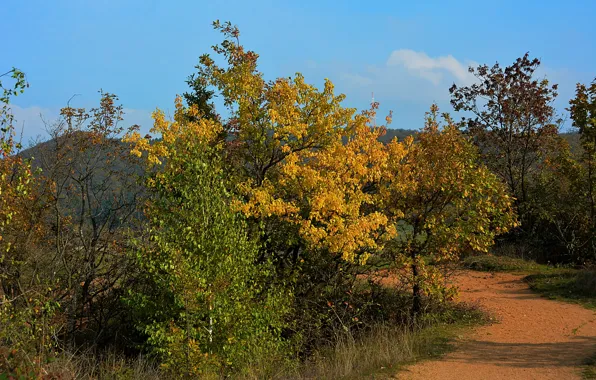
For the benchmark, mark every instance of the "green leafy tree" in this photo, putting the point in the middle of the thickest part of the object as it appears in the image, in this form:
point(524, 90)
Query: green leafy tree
point(209, 306)
point(18, 86)
point(583, 114)
point(300, 163)
point(562, 206)
point(563, 191)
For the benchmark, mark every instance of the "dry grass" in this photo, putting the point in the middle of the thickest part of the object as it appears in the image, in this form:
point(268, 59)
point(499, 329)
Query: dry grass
point(109, 366)
point(383, 348)
point(380, 349)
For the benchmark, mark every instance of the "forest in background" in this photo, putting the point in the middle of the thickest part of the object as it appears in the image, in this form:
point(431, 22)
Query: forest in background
point(246, 245)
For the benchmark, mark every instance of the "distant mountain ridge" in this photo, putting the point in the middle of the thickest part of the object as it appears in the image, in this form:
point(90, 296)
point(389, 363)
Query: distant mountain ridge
point(397, 132)
point(42, 151)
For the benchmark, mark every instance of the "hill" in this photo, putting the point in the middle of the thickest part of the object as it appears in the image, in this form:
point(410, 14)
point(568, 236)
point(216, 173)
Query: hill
point(400, 134)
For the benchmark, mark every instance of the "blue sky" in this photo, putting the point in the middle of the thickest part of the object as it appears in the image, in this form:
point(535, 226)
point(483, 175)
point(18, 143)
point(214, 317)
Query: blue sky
point(407, 52)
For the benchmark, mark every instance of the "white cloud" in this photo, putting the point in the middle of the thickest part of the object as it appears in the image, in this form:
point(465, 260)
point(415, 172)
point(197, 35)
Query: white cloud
point(431, 69)
point(408, 76)
point(408, 82)
point(31, 121)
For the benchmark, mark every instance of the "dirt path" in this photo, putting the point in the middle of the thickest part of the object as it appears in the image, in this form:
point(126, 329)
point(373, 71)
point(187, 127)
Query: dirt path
point(535, 339)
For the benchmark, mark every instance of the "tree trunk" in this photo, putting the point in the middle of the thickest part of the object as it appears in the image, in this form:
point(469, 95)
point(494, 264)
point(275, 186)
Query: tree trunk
point(416, 296)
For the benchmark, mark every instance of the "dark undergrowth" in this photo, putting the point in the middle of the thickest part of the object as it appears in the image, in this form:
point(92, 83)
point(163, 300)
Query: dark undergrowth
point(589, 369)
point(378, 350)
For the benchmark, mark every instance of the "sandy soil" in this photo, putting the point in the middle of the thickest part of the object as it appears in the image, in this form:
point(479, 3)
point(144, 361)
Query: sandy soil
point(535, 339)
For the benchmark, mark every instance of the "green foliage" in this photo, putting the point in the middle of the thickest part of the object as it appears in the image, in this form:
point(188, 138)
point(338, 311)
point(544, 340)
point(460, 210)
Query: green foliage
point(210, 307)
point(561, 224)
point(27, 339)
point(27, 311)
point(562, 193)
point(7, 143)
point(491, 263)
point(515, 125)
point(566, 284)
point(200, 97)
point(14, 174)
point(583, 114)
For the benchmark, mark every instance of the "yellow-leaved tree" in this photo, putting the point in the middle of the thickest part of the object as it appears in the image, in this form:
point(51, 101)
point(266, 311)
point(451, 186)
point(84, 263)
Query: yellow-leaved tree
point(298, 156)
point(303, 167)
point(323, 194)
point(440, 202)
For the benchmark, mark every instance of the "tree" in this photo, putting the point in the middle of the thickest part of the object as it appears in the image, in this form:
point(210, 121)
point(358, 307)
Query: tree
point(90, 188)
point(25, 308)
point(583, 114)
point(312, 178)
point(6, 117)
point(514, 122)
point(13, 174)
point(560, 194)
point(440, 203)
point(283, 129)
point(304, 191)
point(562, 191)
point(211, 307)
point(200, 97)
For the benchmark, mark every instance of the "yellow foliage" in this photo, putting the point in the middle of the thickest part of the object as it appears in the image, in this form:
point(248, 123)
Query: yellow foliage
point(188, 128)
point(298, 157)
point(440, 201)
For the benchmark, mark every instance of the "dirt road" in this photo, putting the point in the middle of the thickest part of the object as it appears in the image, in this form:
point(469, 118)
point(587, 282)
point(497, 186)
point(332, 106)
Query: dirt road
point(536, 338)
